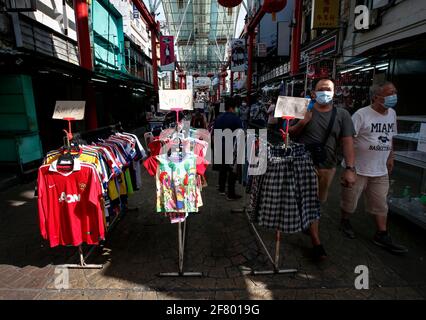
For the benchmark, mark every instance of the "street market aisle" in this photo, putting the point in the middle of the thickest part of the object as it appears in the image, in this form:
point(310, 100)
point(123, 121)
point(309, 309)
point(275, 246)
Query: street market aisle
point(219, 243)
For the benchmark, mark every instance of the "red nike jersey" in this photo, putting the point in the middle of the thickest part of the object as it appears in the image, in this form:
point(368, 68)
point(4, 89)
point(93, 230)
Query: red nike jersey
point(69, 205)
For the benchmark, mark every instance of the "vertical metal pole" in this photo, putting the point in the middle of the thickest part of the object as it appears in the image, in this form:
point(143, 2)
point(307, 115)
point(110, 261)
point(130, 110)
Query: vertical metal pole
point(295, 40)
point(173, 79)
point(306, 73)
point(81, 9)
point(154, 56)
point(184, 235)
point(277, 250)
point(180, 248)
point(250, 62)
point(83, 37)
point(231, 90)
point(80, 252)
point(334, 68)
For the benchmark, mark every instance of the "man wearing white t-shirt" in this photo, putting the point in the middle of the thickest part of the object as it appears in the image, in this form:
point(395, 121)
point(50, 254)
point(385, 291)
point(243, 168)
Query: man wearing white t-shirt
point(375, 127)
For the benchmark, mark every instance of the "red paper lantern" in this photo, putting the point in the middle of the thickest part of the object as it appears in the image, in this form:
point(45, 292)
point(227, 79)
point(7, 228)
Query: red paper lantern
point(229, 4)
point(274, 6)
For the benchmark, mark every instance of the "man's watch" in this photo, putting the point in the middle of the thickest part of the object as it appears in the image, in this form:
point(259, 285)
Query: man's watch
point(351, 168)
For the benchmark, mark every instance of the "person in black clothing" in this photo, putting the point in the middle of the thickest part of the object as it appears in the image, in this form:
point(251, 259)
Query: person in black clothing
point(171, 118)
point(198, 120)
point(228, 120)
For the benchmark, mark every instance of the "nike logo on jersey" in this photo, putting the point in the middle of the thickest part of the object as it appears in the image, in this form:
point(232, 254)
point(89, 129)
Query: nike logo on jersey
point(51, 186)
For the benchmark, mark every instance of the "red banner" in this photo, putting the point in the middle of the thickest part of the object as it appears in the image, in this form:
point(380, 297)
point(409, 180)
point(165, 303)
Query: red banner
point(167, 53)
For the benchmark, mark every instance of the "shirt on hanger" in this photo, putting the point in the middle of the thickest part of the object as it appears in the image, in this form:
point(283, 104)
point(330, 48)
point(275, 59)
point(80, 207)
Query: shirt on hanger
point(70, 208)
point(177, 184)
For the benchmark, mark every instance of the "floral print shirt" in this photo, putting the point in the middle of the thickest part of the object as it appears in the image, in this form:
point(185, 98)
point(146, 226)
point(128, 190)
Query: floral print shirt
point(177, 184)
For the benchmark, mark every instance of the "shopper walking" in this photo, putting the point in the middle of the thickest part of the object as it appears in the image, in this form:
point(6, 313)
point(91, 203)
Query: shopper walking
point(243, 114)
point(375, 126)
point(211, 112)
point(227, 120)
point(321, 130)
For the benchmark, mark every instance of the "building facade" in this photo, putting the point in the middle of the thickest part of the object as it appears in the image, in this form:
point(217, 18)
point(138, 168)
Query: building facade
point(39, 65)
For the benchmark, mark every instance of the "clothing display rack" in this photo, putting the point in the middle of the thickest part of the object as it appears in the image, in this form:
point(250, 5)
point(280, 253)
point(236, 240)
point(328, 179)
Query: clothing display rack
point(82, 265)
point(89, 137)
point(276, 260)
point(181, 233)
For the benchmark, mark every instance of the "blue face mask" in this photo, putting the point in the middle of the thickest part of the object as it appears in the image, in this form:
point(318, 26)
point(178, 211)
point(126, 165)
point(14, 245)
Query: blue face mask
point(324, 97)
point(390, 101)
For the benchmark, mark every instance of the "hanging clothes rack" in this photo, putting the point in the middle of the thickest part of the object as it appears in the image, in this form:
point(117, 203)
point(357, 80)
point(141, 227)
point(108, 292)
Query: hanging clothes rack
point(82, 265)
point(90, 136)
point(181, 233)
point(274, 258)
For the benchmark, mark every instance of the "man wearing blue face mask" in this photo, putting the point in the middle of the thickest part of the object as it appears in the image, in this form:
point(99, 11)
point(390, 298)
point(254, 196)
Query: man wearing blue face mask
point(322, 130)
point(375, 127)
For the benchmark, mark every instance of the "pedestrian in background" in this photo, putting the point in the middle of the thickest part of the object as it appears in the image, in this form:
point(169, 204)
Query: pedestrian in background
point(375, 127)
point(227, 120)
point(257, 112)
point(198, 120)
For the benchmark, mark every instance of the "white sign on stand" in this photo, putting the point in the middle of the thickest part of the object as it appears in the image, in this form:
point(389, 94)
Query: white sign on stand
point(421, 146)
point(222, 107)
point(291, 106)
point(69, 110)
point(171, 99)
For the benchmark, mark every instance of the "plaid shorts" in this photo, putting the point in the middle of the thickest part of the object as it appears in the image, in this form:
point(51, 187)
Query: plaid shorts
point(286, 196)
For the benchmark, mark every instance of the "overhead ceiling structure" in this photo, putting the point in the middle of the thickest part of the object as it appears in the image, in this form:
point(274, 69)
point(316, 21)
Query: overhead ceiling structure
point(202, 29)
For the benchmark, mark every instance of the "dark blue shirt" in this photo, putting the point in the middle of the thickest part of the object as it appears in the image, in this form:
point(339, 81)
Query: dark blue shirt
point(228, 120)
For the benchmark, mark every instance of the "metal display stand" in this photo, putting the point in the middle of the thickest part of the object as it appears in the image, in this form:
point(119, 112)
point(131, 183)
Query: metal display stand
point(181, 245)
point(82, 264)
point(83, 257)
point(276, 260)
point(181, 236)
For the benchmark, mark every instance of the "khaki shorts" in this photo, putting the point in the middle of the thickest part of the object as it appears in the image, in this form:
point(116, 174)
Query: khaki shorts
point(375, 191)
point(325, 178)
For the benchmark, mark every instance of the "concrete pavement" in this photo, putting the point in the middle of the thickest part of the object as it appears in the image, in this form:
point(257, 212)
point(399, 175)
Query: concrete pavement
point(219, 243)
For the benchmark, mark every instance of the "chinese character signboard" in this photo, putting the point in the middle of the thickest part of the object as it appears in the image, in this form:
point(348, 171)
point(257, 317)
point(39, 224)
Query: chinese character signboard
point(325, 14)
point(167, 53)
point(135, 12)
